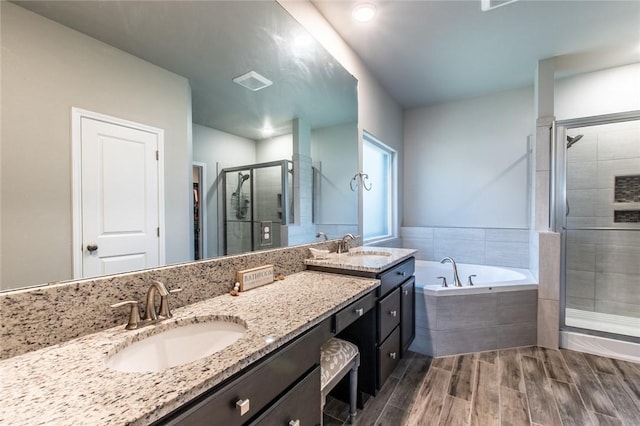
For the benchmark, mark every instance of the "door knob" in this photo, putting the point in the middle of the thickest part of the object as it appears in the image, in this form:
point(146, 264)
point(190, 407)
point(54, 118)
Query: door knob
point(92, 247)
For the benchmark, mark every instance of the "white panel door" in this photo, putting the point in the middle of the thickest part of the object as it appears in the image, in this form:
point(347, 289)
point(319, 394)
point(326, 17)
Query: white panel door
point(120, 198)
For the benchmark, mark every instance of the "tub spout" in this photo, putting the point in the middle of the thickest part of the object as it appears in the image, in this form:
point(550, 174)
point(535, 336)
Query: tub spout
point(456, 278)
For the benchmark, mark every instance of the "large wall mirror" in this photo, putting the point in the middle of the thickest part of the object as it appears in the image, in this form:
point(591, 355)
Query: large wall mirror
point(242, 169)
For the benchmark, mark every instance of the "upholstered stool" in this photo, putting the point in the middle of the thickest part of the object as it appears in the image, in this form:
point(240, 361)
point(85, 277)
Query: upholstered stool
point(337, 358)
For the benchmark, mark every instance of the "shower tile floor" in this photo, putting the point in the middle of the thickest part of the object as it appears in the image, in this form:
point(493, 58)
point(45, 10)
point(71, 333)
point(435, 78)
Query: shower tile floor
point(524, 386)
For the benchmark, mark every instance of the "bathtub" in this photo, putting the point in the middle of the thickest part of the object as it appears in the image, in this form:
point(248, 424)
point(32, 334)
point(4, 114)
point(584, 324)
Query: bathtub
point(498, 312)
point(487, 279)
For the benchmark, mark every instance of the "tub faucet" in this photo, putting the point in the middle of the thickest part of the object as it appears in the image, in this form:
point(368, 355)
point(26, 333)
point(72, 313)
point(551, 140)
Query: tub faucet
point(343, 246)
point(456, 279)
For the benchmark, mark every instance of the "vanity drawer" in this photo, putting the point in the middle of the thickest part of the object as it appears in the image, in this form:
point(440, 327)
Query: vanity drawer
point(301, 404)
point(352, 312)
point(259, 386)
point(388, 314)
point(388, 356)
point(396, 275)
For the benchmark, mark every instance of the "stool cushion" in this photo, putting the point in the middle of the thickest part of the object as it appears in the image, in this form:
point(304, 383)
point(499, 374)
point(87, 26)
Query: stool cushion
point(335, 355)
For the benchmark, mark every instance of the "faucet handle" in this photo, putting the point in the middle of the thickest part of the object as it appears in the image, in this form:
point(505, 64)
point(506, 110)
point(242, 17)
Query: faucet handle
point(134, 313)
point(178, 290)
point(470, 282)
point(444, 281)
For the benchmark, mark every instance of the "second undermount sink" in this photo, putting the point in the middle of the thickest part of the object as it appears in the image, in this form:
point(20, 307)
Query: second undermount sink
point(176, 346)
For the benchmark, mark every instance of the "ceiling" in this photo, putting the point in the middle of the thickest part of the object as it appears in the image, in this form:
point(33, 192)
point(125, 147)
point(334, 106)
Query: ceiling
point(426, 52)
point(212, 42)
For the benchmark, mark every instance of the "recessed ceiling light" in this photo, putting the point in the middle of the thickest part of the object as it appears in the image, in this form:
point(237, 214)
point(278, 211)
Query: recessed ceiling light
point(364, 12)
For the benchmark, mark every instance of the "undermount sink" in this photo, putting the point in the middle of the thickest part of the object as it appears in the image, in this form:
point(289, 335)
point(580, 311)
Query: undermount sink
point(176, 346)
point(369, 253)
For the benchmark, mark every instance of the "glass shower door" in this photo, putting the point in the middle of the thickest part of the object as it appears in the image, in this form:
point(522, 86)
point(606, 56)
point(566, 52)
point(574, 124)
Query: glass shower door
point(601, 227)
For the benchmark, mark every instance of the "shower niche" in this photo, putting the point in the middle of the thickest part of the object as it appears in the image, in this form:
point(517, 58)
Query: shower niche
point(257, 205)
point(627, 194)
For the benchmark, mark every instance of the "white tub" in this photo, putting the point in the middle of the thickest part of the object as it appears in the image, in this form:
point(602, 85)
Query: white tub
point(487, 279)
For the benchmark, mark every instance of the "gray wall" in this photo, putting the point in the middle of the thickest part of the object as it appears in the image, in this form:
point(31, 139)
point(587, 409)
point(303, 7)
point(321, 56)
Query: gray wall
point(466, 162)
point(46, 70)
point(332, 148)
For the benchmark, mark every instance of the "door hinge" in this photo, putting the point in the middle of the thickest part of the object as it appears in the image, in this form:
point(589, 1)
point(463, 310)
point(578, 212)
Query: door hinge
point(158, 229)
point(157, 155)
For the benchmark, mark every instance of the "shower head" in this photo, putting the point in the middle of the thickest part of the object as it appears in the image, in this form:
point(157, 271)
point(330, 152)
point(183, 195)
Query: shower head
point(572, 140)
point(242, 177)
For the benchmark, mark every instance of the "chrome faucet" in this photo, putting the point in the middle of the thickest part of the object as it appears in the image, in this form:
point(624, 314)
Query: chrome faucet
point(343, 245)
point(456, 279)
point(323, 235)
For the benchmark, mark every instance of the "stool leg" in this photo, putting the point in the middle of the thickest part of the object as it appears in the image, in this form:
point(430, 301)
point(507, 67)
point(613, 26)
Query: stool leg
point(353, 393)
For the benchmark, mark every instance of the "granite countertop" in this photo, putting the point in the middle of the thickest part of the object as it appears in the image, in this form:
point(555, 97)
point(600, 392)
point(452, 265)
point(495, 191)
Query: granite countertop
point(365, 259)
point(69, 383)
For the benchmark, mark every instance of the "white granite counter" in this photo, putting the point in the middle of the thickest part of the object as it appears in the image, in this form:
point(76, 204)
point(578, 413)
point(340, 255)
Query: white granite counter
point(69, 384)
point(365, 259)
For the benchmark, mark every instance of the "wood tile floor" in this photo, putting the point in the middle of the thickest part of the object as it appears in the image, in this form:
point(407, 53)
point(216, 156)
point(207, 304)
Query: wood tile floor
point(524, 386)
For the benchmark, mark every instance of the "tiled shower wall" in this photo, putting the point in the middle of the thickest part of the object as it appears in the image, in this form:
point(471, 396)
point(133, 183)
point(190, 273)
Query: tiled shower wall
point(602, 265)
point(483, 246)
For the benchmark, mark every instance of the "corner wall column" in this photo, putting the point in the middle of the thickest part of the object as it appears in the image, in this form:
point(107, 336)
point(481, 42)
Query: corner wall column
point(544, 242)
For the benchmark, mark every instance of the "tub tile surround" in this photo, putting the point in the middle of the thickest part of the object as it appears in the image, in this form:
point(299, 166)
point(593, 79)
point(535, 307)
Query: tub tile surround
point(447, 325)
point(549, 290)
point(35, 318)
point(483, 246)
point(69, 383)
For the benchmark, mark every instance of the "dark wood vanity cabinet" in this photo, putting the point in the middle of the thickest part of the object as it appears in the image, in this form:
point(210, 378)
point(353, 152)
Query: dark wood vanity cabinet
point(281, 389)
point(285, 384)
point(384, 334)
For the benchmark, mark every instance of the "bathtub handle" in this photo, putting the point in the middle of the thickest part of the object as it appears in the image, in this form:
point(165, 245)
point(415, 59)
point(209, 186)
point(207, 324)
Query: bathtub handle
point(444, 281)
point(470, 282)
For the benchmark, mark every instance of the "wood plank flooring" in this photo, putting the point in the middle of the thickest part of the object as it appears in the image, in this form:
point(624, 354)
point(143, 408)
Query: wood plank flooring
point(525, 386)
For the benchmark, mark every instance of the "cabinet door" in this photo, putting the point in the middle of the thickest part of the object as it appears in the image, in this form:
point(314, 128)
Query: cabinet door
point(408, 309)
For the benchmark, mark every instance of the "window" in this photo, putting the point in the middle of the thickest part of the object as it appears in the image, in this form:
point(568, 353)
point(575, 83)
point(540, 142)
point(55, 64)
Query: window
point(378, 161)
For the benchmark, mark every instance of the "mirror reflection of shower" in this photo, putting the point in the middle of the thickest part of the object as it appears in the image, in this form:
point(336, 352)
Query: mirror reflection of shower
point(239, 200)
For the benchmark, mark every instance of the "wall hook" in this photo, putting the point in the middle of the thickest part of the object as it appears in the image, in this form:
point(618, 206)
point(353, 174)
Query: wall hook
point(360, 179)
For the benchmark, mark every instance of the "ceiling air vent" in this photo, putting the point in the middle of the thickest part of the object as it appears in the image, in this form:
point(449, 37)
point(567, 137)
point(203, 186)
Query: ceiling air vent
point(253, 81)
point(486, 5)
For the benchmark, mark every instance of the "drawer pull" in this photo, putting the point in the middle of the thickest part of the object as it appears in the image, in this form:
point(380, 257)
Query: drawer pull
point(392, 355)
point(295, 422)
point(359, 311)
point(405, 292)
point(243, 406)
point(393, 313)
point(402, 273)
